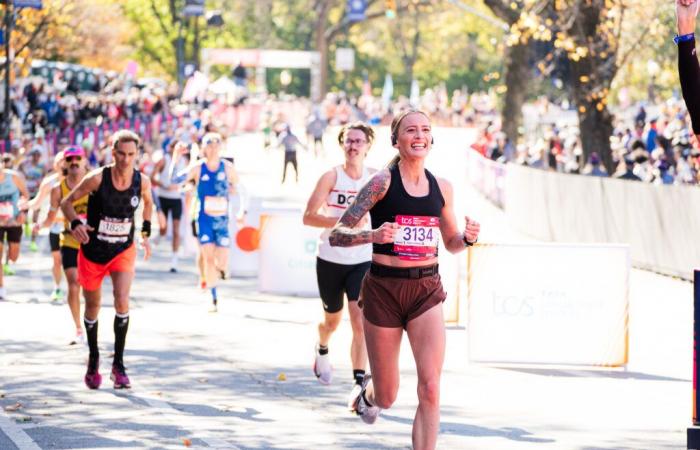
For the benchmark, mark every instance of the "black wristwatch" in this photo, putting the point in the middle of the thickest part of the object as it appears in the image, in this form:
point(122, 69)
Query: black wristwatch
point(466, 242)
point(74, 223)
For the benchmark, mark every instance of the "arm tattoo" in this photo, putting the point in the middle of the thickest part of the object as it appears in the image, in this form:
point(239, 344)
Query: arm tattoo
point(343, 234)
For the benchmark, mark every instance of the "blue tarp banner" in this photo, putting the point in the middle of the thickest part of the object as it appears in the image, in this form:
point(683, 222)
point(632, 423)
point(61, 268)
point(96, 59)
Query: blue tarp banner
point(356, 10)
point(28, 4)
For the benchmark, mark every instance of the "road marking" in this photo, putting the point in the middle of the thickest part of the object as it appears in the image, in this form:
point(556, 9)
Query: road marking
point(16, 434)
point(201, 433)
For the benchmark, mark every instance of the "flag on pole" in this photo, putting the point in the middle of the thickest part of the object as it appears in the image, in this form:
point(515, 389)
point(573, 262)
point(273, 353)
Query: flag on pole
point(414, 98)
point(387, 91)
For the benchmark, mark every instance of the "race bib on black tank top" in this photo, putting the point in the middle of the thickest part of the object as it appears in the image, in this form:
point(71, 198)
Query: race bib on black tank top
point(417, 238)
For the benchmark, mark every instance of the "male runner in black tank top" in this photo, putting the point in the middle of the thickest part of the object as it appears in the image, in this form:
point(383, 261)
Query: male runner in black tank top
point(107, 245)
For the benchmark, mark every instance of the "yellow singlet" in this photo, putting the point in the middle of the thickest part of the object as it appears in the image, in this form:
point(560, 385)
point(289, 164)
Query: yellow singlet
point(80, 206)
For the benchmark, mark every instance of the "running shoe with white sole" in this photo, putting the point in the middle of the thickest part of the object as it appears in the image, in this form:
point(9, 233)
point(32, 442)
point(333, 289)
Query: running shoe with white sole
point(352, 398)
point(121, 380)
point(79, 339)
point(322, 367)
point(93, 379)
point(367, 413)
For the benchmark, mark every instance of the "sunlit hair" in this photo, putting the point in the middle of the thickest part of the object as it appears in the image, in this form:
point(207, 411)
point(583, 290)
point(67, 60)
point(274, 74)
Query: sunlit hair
point(58, 160)
point(366, 129)
point(395, 124)
point(123, 137)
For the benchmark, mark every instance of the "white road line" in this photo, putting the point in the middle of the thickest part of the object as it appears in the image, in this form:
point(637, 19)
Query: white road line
point(16, 434)
point(201, 434)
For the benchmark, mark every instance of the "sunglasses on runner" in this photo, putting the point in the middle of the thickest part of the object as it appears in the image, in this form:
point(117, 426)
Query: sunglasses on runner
point(73, 158)
point(211, 141)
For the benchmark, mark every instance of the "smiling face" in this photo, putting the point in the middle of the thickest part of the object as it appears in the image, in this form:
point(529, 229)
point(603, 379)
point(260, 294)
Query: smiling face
point(355, 146)
point(414, 136)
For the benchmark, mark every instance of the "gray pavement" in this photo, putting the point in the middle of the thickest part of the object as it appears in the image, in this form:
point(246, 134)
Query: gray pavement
point(241, 378)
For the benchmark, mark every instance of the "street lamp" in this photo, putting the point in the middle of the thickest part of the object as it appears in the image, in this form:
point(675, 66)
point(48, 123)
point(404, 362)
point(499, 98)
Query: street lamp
point(285, 79)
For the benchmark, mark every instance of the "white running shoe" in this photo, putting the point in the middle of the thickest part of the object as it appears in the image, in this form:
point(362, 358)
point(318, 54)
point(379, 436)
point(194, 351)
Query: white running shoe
point(367, 413)
point(80, 337)
point(322, 367)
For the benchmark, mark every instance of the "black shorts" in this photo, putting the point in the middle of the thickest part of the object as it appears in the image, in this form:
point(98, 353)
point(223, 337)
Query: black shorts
point(334, 280)
point(12, 234)
point(171, 206)
point(54, 240)
point(69, 258)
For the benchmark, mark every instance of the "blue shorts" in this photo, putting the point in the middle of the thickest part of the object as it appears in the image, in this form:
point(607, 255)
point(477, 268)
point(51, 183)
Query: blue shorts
point(213, 230)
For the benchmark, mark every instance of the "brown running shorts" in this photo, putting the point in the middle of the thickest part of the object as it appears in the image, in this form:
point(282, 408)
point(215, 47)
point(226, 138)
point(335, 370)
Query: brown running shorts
point(392, 302)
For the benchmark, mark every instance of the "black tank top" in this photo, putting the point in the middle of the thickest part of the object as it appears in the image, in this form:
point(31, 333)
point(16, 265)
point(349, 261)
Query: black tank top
point(397, 202)
point(111, 213)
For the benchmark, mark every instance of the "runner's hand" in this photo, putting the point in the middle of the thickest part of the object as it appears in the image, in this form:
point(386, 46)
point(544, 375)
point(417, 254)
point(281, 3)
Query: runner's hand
point(80, 233)
point(686, 12)
point(471, 230)
point(385, 233)
point(146, 246)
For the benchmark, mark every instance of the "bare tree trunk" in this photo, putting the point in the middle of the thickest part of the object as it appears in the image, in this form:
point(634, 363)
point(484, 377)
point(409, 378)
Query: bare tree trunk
point(196, 44)
point(591, 78)
point(518, 78)
point(517, 75)
point(322, 43)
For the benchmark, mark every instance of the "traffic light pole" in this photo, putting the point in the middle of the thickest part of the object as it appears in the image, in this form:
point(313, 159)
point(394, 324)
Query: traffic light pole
point(7, 117)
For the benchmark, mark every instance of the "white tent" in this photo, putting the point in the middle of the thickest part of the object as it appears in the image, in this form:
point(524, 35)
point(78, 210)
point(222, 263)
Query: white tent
point(223, 85)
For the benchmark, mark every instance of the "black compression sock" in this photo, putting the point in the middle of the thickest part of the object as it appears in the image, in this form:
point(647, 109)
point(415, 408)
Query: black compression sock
point(358, 376)
point(121, 326)
point(322, 349)
point(91, 331)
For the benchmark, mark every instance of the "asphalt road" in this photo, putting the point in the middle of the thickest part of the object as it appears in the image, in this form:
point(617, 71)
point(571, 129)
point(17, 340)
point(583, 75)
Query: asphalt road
point(241, 378)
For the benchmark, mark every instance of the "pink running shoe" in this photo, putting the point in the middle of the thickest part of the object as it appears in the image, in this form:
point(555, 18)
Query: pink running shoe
point(93, 379)
point(121, 380)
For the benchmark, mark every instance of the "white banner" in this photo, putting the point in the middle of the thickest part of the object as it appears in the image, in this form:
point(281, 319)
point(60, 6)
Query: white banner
point(287, 254)
point(548, 304)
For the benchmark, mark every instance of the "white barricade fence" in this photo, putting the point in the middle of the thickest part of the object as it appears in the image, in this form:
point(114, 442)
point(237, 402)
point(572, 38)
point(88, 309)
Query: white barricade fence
point(660, 223)
point(487, 176)
point(548, 304)
point(287, 252)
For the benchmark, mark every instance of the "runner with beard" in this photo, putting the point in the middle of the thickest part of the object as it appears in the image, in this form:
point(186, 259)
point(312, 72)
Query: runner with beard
point(74, 170)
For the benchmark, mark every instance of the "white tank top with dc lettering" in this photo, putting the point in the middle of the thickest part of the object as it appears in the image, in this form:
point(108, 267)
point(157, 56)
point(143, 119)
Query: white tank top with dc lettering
point(340, 197)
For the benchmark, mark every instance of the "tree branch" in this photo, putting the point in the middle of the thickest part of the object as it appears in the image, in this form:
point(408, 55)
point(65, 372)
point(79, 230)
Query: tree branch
point(159, 18)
